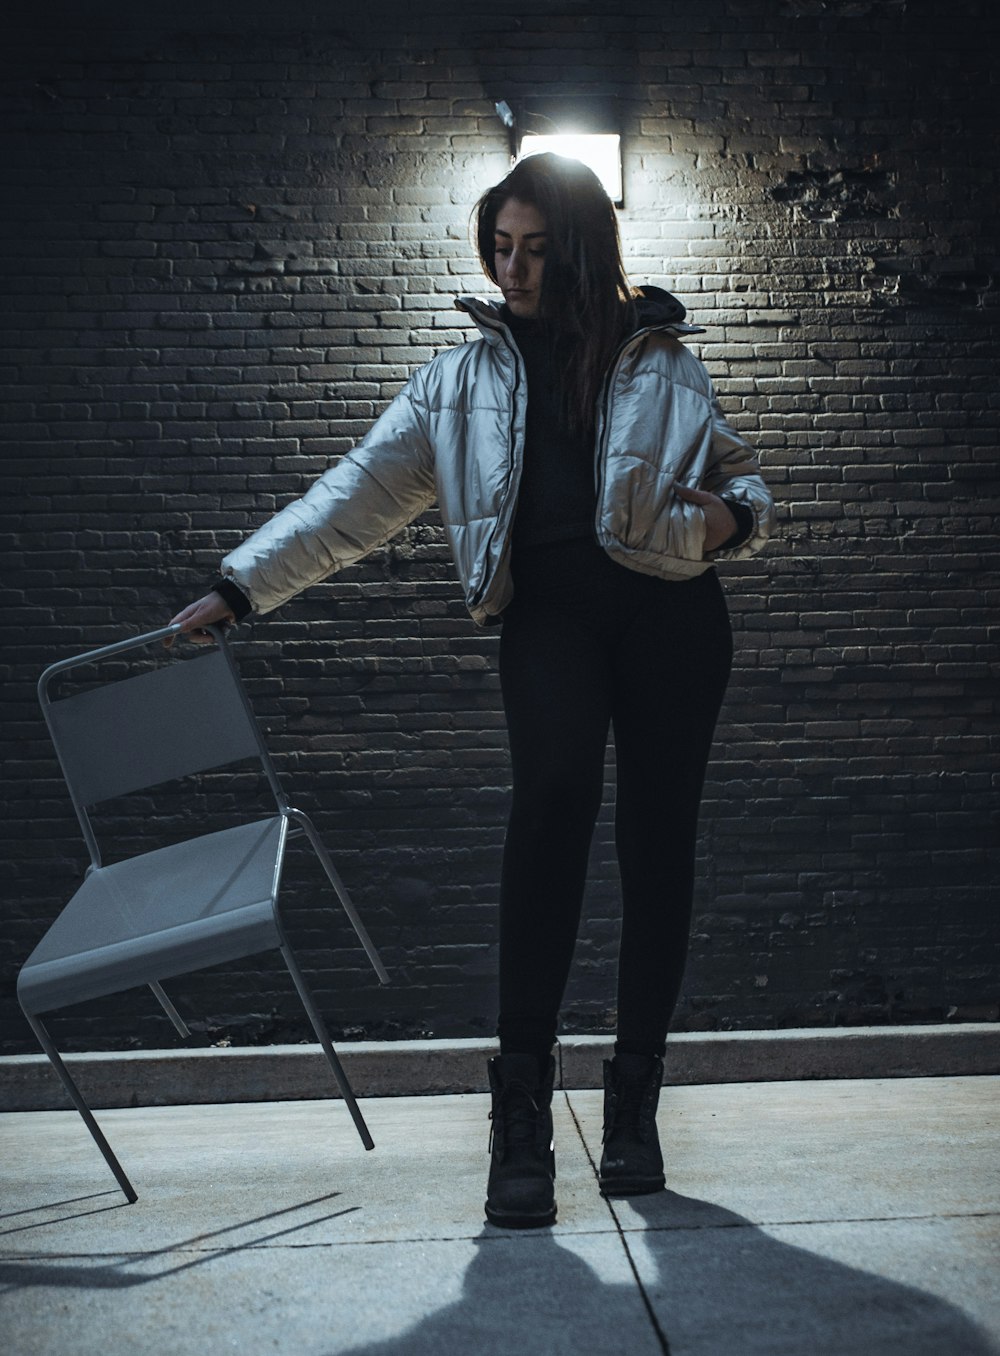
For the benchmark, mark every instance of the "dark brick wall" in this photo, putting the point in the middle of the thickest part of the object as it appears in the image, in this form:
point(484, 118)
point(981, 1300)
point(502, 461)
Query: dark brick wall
point(230, 233)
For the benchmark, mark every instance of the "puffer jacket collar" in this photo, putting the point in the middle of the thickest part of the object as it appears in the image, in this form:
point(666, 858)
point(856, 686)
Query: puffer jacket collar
point(655, 309)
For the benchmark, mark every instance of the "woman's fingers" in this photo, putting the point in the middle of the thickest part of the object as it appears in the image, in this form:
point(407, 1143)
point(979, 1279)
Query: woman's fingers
point(193, 619)
point(694, 496)
point(191, 610)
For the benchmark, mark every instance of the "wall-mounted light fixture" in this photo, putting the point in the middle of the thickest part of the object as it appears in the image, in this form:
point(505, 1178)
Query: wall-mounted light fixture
point(599, 151)
point(582, 129)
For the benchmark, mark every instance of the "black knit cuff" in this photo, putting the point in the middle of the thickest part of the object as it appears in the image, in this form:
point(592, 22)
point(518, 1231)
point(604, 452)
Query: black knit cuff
point(234, 597)
point(745, 524)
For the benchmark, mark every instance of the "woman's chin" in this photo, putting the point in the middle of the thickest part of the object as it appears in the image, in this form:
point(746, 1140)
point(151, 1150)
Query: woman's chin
point(525, 308)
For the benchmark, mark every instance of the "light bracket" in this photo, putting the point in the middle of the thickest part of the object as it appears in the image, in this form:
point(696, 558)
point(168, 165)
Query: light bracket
point(581, 127)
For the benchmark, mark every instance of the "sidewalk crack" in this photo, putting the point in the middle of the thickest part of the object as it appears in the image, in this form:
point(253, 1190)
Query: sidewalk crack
point(651, 1314)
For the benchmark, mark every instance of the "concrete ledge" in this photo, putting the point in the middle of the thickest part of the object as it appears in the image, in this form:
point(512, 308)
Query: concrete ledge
point(780, 1056)
point(406, 1068)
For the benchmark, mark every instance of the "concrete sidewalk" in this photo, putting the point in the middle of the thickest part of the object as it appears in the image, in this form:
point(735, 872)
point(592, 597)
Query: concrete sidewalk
point(858, 1216)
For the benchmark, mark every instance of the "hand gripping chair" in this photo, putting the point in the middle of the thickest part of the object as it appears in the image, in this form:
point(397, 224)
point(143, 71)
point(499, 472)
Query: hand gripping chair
point(197, 903)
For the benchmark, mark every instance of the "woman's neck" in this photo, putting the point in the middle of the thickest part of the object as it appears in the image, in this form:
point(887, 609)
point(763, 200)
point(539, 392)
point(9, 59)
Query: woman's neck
point(523, 324)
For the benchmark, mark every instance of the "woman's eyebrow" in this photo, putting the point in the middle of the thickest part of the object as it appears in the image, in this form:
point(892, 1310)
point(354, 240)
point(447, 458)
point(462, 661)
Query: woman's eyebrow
point(528, 235)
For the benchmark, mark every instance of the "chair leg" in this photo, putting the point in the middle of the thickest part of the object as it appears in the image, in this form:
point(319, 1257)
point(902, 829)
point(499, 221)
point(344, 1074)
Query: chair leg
point(180, 1026)
point(340, 890)
point(76, 1097)
point(319, 1026)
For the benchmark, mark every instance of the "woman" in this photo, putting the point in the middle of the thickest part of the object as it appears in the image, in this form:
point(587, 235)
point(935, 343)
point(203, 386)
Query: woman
point(587, 479)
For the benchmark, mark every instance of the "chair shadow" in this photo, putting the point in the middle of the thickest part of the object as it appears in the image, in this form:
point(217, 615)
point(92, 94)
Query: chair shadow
point(712, 1282)
point(115, 1274)
point(117, 1203)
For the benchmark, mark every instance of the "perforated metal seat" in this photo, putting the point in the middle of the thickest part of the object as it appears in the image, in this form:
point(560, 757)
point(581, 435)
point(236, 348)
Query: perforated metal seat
point(200, 902)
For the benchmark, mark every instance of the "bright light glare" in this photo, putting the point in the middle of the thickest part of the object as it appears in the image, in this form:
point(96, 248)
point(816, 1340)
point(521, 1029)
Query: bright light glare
point(600, 152)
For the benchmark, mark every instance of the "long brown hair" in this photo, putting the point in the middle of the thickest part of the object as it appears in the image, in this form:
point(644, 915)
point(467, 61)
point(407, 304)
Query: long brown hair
point(585, 294)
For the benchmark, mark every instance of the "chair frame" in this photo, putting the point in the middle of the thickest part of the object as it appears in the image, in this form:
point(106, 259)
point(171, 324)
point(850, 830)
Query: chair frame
point(296, 823)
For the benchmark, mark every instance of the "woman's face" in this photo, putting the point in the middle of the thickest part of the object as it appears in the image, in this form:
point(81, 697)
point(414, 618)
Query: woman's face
point(519, 258)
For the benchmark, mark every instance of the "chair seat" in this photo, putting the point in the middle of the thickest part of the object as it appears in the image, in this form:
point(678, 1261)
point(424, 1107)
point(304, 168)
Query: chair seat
point(197, 903)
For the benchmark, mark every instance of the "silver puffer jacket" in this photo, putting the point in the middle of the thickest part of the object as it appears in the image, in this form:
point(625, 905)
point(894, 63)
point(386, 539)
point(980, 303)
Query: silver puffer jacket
point(455, 435)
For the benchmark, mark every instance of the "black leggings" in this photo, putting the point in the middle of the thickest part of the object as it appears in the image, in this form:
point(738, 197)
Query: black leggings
point(589, 643)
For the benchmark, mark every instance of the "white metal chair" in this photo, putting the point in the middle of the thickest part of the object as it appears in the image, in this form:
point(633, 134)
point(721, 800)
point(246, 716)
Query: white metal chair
point(196, 903)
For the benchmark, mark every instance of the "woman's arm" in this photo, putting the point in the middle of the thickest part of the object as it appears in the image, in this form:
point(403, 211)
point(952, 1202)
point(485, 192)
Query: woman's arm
point(733, 475)
point(722, 525)
point(361, 501)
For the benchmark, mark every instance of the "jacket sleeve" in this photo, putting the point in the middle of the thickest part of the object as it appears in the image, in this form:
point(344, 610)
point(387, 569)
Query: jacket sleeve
point(733, 474)
point(361, 501)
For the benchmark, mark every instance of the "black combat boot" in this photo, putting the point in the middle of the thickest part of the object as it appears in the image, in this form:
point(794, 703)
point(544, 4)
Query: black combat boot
point(521, 1191)
point(631, 1164)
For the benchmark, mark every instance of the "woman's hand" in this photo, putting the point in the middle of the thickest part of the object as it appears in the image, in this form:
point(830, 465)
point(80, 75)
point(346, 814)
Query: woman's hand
point(720, 524)
point(207, 611)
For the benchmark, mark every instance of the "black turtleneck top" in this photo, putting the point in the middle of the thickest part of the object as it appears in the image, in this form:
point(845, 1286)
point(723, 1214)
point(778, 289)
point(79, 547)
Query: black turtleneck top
point(557, 499)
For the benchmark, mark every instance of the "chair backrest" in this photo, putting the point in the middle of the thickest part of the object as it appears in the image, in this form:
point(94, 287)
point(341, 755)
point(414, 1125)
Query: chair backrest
point(183, 717)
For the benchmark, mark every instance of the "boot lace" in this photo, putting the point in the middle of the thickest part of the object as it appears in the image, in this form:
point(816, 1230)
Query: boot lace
point(518, 1114)
point(629, 1109)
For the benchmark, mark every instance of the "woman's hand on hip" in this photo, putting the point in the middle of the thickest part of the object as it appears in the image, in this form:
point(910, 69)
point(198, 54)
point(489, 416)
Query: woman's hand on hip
point(720, 524)
point(207, 611)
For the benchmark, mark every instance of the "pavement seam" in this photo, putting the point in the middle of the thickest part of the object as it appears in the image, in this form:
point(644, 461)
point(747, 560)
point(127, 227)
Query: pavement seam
point(502, 1238)
point(327, 1243)
point(813, 1223)
point(651, 1314)
point(807, 1223)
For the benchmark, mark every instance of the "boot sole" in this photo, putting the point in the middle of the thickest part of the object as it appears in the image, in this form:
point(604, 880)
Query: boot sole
point(503, 1221)
point(631, 1186)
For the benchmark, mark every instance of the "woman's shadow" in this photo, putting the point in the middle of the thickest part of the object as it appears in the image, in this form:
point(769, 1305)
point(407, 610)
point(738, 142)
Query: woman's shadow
point(712, 1284)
